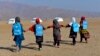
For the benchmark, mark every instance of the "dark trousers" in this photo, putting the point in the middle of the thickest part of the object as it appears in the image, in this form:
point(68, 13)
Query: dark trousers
point(39, 40)
point(39, 44)
point(19, 44)
point(74, 36)
point(56, 41)
point(82, 37)
point(18, 40)
point(74, 40)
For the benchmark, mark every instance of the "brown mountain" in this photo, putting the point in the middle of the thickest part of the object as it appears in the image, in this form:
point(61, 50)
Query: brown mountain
point(9, 10)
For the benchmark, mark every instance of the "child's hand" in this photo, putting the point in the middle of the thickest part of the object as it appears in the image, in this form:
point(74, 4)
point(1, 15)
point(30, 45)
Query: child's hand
point(62, 25)
point(44, 28)
point(24, 31)
point(12, 34)
point(48, 27)
point(27, 30)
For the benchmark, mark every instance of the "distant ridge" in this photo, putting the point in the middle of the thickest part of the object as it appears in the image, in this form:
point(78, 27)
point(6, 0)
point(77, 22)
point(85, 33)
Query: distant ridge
point(8, 10)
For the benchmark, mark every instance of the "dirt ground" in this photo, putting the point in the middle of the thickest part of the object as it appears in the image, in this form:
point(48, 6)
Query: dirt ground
point(29, 47)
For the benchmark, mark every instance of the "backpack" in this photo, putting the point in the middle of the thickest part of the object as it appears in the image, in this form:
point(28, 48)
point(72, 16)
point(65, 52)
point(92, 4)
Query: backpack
point(38, 30)
point(75, 27)
point(85, 24)
point(17, 29)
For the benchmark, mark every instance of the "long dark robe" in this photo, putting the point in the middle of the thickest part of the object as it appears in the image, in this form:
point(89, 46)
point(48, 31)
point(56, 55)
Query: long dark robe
point(56, 30)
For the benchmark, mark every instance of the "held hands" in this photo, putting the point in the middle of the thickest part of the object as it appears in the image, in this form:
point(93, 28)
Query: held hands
point(48, 27)
point(63, 26)
point(26, 30)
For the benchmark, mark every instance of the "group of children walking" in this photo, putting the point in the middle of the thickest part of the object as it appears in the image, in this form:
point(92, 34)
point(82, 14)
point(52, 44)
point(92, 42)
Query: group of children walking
point(38, 29)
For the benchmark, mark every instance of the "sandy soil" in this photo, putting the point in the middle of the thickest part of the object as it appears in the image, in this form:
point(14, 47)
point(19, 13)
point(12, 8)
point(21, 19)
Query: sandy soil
point(29, 48)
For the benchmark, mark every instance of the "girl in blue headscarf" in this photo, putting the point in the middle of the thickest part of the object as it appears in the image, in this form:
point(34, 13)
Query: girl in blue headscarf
point(74, 29)
point(17, 32)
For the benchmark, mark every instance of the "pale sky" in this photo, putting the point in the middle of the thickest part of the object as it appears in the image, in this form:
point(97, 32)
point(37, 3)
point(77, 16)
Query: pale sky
point(79, 5)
